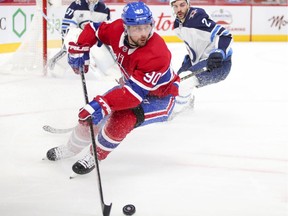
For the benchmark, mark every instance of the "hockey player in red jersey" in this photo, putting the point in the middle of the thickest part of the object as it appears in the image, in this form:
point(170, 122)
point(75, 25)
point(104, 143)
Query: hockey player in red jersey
point(147, 91)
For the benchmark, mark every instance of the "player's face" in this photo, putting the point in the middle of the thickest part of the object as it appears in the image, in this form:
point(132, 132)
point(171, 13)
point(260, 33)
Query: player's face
point(92, 1)
point(139, 34)
point(180, 8)
point(91, 4)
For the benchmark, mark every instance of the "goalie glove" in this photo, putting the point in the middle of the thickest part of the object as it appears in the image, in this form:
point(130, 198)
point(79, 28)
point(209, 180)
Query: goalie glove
point(78, 57)
point(96, 110)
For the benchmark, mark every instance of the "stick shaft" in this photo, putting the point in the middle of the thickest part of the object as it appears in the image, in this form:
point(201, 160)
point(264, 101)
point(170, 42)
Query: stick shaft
point(105, 208)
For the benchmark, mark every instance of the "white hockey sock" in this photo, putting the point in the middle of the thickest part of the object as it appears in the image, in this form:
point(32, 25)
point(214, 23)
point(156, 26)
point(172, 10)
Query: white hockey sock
point(185, 92)
point(80, 138)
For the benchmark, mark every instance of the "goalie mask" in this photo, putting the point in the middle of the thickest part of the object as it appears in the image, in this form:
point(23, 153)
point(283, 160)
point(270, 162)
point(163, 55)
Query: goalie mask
point(92, 4)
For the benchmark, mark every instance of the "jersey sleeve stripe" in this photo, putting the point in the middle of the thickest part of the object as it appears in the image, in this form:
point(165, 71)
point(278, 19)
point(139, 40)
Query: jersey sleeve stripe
point(214, 32)
point(68, 21)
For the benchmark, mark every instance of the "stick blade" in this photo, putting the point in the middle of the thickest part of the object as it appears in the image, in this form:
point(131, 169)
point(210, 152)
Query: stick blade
point(51, 129)
point(106, 209)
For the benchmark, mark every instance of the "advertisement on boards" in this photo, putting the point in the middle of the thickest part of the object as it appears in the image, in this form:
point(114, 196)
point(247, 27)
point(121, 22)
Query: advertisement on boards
point(235, 19)
point(14, 23)
point(269, 23)
point(245, 22)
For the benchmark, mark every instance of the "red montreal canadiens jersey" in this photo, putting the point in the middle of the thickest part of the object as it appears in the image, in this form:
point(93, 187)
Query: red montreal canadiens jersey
point(146, 69)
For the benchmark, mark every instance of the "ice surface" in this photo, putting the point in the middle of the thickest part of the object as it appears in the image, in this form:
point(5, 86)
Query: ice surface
point(227, 157)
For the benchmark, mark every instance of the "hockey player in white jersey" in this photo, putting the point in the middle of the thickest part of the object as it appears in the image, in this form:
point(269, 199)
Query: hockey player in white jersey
point(208, 45)
point(80, 12)
point(77, 15)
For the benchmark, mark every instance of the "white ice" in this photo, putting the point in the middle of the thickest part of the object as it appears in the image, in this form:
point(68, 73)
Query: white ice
point(226, 157)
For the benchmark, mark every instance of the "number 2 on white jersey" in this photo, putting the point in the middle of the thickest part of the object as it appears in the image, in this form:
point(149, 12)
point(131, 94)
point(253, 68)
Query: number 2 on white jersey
point(204, 21)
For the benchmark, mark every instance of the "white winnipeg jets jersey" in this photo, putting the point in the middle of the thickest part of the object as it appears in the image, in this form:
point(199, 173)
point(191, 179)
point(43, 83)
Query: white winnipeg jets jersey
point(78, 14)
point(202, 35)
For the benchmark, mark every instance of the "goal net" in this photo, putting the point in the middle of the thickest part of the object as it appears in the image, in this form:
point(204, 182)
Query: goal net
point(38, 45)
point(43, 40)
point(31, 56)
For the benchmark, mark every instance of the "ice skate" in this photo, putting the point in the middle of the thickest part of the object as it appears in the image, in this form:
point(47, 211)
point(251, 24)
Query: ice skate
point(87, 163)
point(84, 165)
point(58, 153)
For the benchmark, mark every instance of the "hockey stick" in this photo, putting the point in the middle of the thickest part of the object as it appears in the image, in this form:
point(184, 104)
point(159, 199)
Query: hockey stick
point(62, 52)
point(51, 129)
point(57, 57)
point(105, 208)
point(194, 73)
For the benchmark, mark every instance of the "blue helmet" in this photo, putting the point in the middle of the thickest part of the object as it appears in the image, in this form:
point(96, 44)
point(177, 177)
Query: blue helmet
point(136, 13)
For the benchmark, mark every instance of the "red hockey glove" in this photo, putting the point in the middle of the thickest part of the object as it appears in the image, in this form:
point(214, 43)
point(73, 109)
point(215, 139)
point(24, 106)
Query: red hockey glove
point(96, 110)
point(78, 56)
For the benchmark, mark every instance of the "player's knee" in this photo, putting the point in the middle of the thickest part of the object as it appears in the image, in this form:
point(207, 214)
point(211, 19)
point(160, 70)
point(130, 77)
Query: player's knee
point(120, 124)
point(139, 114)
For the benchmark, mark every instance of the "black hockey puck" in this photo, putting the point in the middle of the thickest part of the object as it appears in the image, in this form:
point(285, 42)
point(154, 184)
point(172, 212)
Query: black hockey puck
point(129, 209)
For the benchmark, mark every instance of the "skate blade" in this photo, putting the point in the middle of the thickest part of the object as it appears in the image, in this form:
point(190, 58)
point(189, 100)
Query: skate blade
point(73, 175)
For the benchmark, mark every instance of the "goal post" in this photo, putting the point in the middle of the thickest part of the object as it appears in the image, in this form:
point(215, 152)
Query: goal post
point(31, 56)
point(44, 35)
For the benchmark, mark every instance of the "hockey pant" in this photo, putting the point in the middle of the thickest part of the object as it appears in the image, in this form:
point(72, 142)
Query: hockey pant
point(207, 78)
point(185, 98)
point(115, 127)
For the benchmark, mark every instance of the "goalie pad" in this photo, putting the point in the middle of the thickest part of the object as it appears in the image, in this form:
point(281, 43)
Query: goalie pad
point(72, 36)
point(103, 59)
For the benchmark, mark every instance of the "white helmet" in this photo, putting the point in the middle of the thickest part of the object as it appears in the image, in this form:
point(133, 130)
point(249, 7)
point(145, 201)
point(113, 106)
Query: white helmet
point(91, 4)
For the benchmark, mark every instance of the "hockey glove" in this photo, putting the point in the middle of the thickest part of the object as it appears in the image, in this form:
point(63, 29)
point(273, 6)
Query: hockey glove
point(78, 56)
point(96, 110)
point(215, 59)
